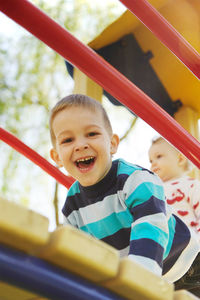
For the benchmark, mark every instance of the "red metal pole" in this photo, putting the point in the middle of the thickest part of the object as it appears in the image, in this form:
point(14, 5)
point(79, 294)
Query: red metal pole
point(84, 58)
point(166, 33)
point(15, 143)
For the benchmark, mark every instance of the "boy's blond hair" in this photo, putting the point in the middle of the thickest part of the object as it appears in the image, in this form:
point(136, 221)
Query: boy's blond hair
point(186, 166)
point(77, 100)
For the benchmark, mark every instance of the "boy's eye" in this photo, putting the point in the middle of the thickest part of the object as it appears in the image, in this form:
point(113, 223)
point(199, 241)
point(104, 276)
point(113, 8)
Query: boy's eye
point(92, 133)
point(159, 156)
point(68, 140)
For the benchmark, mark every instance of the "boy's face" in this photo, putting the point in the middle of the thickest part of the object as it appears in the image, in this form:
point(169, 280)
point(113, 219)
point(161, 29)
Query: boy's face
point(83, 145)
point(165, 161)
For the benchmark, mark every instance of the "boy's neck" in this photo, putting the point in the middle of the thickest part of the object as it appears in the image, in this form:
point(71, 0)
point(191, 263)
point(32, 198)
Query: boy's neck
point(104, 184)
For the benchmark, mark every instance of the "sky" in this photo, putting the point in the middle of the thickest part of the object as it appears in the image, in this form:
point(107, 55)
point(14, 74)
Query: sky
point(134, 148)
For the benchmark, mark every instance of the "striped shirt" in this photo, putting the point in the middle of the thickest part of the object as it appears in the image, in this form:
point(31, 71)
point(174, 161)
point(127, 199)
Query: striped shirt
point(127, 209)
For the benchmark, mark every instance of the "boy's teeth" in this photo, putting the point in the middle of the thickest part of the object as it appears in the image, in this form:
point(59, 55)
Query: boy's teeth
point(84, 159)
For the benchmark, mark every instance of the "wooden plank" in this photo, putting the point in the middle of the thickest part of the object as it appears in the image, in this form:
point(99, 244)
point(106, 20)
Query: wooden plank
point(184, 295)
point(22, 228)
point(136, 283)
point(82, 254)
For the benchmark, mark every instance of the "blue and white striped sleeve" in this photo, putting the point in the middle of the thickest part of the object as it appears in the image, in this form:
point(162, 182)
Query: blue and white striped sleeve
point(149, 231)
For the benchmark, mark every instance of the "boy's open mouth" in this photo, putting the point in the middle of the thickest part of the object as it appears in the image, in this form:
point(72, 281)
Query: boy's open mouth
point(85, 163)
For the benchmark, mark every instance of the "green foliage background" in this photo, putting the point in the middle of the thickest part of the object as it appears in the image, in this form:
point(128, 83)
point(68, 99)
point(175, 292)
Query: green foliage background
point(32, 79)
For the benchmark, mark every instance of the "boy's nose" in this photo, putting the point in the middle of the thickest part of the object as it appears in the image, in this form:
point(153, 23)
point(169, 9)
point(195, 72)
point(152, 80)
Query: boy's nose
point(81, 146)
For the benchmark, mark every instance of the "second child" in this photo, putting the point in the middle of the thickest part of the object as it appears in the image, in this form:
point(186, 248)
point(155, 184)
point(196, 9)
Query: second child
point(182, 192)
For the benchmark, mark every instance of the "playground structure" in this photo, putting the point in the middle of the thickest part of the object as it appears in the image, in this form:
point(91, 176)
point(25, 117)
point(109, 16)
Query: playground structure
point(94, 73)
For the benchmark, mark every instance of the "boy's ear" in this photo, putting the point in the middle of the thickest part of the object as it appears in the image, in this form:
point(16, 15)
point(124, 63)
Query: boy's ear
point(55, 156)
point(114, 144)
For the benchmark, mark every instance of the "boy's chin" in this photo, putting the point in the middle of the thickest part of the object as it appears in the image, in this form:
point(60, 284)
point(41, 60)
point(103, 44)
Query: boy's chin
point(90, 183)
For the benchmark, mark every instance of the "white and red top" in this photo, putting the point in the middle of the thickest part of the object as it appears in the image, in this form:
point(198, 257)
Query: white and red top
point(183, 195)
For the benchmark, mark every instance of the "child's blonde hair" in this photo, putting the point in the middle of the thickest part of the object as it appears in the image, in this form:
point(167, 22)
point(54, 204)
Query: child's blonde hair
point(78, 100)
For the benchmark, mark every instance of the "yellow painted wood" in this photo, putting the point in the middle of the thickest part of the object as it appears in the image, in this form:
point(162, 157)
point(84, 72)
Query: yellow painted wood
point(188, 118)
point(78, 252)
point(125, 24)
point(22, 228)
point(10, 292)
point(184, 16)
point(85, 85)
point(135, 283)
point(184, 295)
point(178, 81)
point(196, 5)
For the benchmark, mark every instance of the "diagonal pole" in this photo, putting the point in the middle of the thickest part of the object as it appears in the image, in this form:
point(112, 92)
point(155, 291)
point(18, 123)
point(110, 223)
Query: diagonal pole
point(166, 33)
point(19, 146)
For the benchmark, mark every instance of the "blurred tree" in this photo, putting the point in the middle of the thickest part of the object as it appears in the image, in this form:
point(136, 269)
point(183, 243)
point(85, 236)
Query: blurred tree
point(32, 79)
